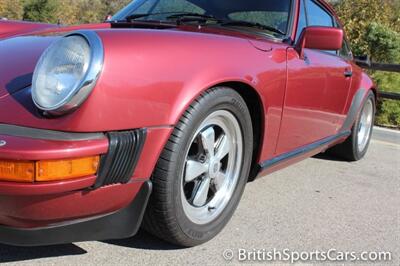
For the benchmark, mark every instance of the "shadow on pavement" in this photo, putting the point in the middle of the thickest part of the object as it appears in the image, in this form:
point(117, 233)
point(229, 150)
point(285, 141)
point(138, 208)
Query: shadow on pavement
point(328, 157)
point(15, 254)
point(143, 240)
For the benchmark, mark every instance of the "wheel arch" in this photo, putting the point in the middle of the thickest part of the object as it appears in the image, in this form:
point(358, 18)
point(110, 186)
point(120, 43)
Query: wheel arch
point(364, 84)
point(356, 106)
point(256, 109)
point(369, 85)
point(375, 91)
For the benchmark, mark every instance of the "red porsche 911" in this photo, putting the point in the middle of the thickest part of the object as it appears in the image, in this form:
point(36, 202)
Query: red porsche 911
point(159, 116)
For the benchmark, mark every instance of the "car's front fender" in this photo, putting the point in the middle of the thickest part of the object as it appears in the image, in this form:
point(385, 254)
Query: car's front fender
point(149, 78)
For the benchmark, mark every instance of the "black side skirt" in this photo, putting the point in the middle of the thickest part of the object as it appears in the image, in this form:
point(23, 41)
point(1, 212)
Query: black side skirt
point(121, 224)
point(300, 151)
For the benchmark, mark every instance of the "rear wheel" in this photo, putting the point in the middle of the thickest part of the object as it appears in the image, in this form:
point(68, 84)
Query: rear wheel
point(356, 146)
point(201, 174)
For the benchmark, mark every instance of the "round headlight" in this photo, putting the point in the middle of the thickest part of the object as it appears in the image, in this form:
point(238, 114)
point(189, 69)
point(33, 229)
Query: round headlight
point(67, 72)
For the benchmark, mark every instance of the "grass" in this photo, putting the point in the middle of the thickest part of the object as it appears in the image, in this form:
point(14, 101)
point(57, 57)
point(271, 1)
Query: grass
point(388, 111)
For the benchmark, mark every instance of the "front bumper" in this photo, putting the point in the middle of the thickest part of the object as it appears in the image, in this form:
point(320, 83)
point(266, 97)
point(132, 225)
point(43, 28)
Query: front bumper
point(43, 213)
point(120, 224)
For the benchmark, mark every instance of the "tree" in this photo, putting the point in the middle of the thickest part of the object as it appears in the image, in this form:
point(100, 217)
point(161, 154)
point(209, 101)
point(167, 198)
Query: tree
point(110, 7)
point(11, 9)
point(383, 43)
point(357, 16)
point(90, 11)
point(373, 28)
point(67, 11)
point(41, 10)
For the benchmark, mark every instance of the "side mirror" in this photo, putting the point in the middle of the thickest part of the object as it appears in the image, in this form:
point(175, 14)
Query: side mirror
point(320, 38)
point(108, 18)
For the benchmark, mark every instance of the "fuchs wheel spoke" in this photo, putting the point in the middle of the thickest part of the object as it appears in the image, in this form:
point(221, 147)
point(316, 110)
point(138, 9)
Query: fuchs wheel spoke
point(200, 198)
point(194, 169)
point(208, 141)
point(219, 181)
point(223, 148)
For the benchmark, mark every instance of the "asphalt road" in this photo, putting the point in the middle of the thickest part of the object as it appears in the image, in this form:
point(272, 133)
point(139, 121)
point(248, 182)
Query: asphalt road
point(319, 204)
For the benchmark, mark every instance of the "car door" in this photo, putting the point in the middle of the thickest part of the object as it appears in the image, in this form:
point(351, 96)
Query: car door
point(317, 88)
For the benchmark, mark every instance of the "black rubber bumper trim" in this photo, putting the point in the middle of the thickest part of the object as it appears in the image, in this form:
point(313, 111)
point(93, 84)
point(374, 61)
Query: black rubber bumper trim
point(118, 165)
point(44, 134)
point(121, 224)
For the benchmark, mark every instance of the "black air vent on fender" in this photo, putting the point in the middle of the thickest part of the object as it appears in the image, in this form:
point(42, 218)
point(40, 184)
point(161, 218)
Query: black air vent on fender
point(118, 165)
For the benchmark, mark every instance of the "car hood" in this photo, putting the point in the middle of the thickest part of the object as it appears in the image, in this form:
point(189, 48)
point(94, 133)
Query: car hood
point(19, 56)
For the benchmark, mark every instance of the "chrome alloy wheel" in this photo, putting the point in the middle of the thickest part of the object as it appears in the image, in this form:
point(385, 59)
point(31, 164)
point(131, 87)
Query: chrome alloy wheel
point(212, 167)
point(365, 125)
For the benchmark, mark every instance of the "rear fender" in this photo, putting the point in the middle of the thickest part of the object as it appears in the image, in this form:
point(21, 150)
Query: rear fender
point(365, 86)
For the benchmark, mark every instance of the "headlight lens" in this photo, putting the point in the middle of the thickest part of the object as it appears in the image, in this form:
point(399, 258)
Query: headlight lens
point(66, 73)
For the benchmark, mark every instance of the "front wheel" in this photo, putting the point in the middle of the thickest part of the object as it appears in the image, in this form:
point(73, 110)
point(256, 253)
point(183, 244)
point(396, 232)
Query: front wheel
point(356, 146)
point(202, 172)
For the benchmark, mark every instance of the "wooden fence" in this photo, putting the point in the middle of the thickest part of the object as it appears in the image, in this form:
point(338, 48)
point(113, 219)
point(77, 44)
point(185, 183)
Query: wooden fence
point(364, 63)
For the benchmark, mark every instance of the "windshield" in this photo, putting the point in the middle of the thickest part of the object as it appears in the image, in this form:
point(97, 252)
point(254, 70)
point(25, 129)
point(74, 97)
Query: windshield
point(273, 14)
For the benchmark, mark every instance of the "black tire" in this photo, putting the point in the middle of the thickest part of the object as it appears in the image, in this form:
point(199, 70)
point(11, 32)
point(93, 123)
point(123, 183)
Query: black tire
point(165, 217)
point(349, 149)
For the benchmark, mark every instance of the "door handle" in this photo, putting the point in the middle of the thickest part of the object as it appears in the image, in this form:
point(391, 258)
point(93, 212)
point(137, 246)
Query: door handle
point(348, 73)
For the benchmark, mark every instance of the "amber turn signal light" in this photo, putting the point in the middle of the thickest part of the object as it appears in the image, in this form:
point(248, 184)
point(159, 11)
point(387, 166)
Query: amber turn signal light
point(18, 171)
point(66, 169)
point(49, 170)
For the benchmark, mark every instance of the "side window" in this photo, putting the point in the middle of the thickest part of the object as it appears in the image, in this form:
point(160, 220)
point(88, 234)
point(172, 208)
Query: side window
point(317, 16)
point(302, 20)
point(345, 52)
